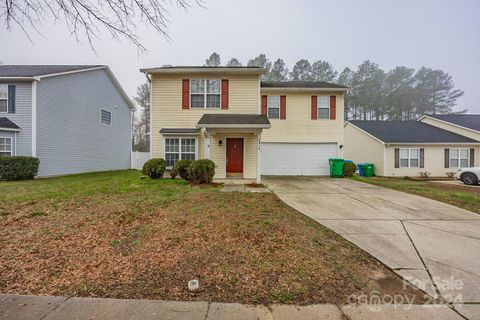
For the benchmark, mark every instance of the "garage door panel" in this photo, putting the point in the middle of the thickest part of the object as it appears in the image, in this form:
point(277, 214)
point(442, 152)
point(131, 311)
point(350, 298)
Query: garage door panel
point(297, 158)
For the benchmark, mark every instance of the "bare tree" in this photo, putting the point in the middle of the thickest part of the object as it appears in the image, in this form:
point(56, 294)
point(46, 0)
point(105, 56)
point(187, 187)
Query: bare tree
point(90, 17)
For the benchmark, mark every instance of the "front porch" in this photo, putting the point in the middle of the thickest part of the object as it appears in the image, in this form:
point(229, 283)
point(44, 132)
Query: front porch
point(233, 142)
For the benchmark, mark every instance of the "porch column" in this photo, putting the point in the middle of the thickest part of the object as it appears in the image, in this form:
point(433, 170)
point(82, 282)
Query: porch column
point(207, 145)
point(259, 157)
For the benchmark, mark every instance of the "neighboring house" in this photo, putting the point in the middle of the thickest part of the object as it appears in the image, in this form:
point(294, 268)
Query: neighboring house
point(406, 148)
point(73, 118)
point(247, 127)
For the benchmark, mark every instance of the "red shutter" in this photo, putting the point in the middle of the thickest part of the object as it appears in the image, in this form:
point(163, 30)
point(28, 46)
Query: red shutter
point(447, 158)
point(397, 158)
point(422, 158)
point(333, 107)
point(264, 105)
point(225, 94)
point(283, 107)
point(314, 108)
point(186, 94)
point(472, 157)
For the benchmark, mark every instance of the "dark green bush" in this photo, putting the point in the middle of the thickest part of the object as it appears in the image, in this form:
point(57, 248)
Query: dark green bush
point(18, 168)
point(349, 168)
point(201, 171)
point(154, 168)
point(181, 168)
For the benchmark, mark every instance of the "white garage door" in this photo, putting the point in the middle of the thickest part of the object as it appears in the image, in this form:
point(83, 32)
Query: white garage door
point(308, 159)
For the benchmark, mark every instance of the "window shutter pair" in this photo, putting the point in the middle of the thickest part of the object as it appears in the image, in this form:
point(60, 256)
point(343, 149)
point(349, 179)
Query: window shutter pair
point(333, 108)
point(11, 98)
point(186, 94)
point(283, 106)
point(422, 158)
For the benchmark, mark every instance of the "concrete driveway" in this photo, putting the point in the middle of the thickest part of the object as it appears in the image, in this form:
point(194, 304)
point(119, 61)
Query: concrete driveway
point(433, 245)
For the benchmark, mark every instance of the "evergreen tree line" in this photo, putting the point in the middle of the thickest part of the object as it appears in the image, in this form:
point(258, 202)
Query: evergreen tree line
point(401, 93)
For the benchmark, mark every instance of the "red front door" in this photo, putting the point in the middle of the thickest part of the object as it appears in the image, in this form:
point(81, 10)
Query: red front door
point(234, 155)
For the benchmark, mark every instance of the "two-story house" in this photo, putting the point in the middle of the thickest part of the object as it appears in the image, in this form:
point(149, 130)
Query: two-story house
point(74, 118)
point(249, 128)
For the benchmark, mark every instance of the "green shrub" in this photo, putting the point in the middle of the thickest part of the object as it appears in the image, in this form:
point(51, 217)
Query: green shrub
point(154, 168)
point(18, 168)
point(181, 168)
point(201, 171)
point(349, 168)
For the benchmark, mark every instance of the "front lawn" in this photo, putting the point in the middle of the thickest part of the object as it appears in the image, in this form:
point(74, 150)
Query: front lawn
point(461, 196)
point(115, 235)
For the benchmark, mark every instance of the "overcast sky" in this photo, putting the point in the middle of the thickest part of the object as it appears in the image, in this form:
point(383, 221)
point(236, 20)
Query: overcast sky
point(433, 33)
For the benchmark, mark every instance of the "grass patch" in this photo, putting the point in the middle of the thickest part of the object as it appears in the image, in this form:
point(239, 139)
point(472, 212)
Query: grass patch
point(461, 196)
point(113, 234)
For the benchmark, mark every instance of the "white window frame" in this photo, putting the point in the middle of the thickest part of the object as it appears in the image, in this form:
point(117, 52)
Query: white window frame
point(11, 146)
point(179, 147)
point(269, 107)
point(409, 158)
point(459, 158)
point(323, 107)
point(111, 117)
point(205, 94)
point(6, 99)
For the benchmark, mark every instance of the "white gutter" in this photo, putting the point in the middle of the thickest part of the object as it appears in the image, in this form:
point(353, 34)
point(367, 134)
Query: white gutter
point(206, 70)
point(313, 90)
point(10, 129)
point(234, 126)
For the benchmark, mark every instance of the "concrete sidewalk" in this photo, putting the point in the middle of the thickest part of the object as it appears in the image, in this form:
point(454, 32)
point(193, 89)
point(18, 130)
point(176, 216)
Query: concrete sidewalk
point(18, 307)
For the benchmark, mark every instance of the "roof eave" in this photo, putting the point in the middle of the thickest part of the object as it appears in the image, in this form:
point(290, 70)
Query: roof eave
point(233, 126)
point(7, 78)
point(433, 143)
point(10, 129)
point(303, 89)
point(206, 70)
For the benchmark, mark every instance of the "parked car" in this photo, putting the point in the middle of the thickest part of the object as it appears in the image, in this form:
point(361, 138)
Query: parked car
point(469, 176)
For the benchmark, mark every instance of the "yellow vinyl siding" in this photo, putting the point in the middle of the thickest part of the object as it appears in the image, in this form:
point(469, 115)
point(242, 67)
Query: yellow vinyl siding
point(434, 160)
point(167, 109)
point(452, 128)
point(217, 154)
point(298, 126)
point(360, 148)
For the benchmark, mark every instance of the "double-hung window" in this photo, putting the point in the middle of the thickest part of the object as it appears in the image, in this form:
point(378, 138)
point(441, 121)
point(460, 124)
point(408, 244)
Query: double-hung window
point(5, 147)
point(205, 93)
point(105, 117)
point(409, 158)
point(323, 107)
point(3, 98)
point(273, 106)
point(179, 149)
point(459, 158)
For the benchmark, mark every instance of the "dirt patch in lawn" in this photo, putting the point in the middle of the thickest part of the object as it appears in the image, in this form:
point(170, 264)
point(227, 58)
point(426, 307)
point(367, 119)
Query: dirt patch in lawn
point(135, 238)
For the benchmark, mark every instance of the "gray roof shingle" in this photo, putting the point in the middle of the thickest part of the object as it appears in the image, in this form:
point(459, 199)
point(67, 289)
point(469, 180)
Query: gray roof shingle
point(409, 132)
point(471, 121)
point(6, 123)
point(234, 119)
point(301, 84)
point(39, 70)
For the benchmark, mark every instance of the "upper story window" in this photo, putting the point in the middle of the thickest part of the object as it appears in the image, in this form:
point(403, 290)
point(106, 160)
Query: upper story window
point(5, 147)
point(323, 107)
point(205, 93)
point(3, 98)
point(409, 158)
point(105, 117)
point(273, 107)
point(459, 158)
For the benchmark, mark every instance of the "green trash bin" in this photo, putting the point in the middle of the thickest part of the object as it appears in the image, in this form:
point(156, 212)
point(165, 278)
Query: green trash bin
point(336, 167)
point(368, 170)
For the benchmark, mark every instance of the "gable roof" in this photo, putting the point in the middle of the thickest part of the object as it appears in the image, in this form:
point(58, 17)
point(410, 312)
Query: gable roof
point(40, 70)
point(470, 121)
point(228, 120)
point(9, 125)
point(205, 70)
point(24, 72)
point(409, 132)
point(301, 84)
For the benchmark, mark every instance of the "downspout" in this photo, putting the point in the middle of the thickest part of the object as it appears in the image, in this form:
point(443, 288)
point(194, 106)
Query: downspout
point(34, 118)
point(385, 146)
